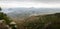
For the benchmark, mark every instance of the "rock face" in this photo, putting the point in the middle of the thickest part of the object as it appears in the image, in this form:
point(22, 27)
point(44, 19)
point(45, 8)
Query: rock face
point(13, 25)
point(3, 25)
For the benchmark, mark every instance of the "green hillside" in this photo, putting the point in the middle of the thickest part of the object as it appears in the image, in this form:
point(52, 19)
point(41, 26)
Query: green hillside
point(49, 21)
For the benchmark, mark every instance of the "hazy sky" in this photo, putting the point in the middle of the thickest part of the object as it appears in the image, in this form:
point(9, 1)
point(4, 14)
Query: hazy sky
point(30, 3)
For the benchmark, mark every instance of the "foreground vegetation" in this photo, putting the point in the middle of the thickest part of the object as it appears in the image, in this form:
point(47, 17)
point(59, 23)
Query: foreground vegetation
point(49, 21)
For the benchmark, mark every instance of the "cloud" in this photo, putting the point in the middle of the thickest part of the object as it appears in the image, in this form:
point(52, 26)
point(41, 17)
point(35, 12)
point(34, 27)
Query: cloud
point(30, 3)
point(43, 1)
point(47, 0)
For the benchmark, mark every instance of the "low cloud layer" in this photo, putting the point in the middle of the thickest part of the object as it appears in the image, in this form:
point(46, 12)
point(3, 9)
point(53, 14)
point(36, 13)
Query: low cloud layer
point(31, 3)
point(43, 1)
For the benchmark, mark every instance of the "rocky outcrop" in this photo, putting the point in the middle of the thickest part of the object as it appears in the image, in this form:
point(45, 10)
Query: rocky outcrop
point(3, 25)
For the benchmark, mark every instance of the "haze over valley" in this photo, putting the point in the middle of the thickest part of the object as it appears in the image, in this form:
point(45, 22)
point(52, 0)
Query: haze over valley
point(26, 12)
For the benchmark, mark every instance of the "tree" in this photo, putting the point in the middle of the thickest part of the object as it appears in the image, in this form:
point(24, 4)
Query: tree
point(0, 9)
point(3, 16)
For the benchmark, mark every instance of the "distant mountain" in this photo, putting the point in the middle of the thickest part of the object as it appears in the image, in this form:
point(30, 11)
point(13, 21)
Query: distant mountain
point(25, 12)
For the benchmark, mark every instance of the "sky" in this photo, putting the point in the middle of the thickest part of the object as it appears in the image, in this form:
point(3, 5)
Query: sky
point(30, 3)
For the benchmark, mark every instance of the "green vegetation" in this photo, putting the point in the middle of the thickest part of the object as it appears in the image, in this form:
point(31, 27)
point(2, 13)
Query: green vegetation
point(50, 21)
point(3, 16)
